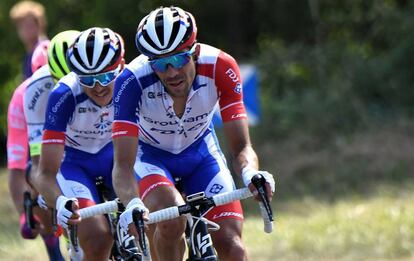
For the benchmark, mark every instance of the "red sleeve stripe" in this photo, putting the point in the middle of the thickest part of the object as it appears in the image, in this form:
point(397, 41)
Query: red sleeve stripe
point(124, 128)
point(229, 105)
point(53, 137)
point(234, 111)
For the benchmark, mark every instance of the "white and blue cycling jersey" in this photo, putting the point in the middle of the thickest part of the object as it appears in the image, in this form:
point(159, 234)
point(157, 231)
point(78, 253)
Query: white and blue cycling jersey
point(183, 147)
point(141, 101)
point(84, 128)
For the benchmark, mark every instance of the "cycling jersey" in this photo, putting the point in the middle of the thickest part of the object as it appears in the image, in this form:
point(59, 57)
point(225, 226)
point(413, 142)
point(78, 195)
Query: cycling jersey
point(35, 101)
point(141, 101)
point(87, 125)
point(17, 143)
point(84, 127)
point(186, 147)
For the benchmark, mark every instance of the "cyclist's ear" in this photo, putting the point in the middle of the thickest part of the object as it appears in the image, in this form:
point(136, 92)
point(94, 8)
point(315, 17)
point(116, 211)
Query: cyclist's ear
point(196, 52)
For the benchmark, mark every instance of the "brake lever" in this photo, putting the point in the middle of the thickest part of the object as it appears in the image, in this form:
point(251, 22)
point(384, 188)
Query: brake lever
point(28, 209)
point(259, 182)
point(54, 220)
point(138, 219)
point(73, 229)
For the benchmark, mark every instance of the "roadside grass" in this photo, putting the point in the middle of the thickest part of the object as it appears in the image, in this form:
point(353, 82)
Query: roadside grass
point(12, 246)
point(379, 227)
point(376, 228)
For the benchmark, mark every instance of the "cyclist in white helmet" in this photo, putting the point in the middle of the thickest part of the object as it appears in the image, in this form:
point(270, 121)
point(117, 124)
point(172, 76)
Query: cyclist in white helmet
point(165, 100)
point(78, 128)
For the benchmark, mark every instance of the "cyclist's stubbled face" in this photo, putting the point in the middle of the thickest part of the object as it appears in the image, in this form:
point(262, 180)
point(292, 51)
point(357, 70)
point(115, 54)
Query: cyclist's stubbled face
point(101, 95)
point(178, 82)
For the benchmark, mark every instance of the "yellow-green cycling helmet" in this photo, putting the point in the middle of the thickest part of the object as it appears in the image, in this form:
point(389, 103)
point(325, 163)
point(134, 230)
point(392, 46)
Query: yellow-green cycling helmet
point(56, 54)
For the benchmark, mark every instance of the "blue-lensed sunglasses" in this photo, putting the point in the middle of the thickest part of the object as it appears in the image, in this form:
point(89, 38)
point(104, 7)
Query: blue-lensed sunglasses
point(103, 78)
point(177, 61)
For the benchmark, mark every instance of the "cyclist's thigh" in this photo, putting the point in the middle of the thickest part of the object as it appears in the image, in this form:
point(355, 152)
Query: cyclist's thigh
point(99, 165)
point(75, 183)
point(213, 177)
point(150, 172)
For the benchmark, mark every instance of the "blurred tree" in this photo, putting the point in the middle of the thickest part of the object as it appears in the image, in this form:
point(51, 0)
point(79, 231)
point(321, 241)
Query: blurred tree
point(324, 65)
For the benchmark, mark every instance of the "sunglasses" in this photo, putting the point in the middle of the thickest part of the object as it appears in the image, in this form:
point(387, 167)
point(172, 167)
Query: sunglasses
point(103, 79)
point(177, 61)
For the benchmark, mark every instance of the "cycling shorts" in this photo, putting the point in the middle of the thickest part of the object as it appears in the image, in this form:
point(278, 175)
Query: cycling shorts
point(79, 171)
point(200, 167)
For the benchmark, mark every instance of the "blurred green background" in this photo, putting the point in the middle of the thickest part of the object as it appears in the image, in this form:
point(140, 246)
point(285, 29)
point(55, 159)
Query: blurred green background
point(335, 79)
point(335, 85)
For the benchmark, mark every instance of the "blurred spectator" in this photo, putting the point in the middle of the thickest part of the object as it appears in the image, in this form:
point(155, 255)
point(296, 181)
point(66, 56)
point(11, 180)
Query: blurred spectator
point(29, 18)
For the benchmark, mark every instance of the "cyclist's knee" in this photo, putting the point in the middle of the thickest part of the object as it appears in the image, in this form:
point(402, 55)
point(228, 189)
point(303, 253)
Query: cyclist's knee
point(95, 238)
point(228, 242)
point(230, 248)
point(172, 229)
point(96, 248)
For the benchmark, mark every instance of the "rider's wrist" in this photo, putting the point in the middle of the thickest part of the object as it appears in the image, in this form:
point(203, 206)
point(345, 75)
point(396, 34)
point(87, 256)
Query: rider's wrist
point(247, 174)
point(60, 200)
point(134, 202)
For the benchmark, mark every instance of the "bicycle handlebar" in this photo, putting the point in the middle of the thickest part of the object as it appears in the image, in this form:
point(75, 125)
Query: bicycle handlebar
point(174, 212)
point(100, 209)
point(220, 199)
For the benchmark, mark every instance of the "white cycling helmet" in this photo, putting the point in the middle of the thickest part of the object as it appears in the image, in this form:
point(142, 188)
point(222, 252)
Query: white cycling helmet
point(95, 50)
point(165, 30)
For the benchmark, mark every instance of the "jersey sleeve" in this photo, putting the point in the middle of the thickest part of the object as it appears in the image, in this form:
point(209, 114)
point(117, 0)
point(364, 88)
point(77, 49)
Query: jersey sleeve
point(59, 110)
point(127, 95)
point(229, 87)
point(17, 141)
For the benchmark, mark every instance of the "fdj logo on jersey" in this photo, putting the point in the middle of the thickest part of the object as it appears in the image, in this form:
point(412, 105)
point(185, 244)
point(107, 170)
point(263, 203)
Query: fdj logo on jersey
point(232, 75)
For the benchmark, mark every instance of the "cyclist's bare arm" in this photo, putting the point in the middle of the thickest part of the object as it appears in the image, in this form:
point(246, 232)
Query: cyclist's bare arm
point(17, 186)
point(243, 155)
point(238, 139)
point(125, 185)
point(44, 179)
point(34, 168)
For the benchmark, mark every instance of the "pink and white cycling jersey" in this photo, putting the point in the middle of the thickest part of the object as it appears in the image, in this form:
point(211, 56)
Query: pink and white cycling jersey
point(142, 103)
point(17, 142)
point(35, 101)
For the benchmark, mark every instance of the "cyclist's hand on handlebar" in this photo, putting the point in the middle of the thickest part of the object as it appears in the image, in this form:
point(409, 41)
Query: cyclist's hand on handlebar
point(67, 211)
point(126, 220)
point(26, 231)
point(248, 174)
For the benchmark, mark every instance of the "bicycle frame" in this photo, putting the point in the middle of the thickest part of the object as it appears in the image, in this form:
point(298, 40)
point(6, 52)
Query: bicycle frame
point(199, 239)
